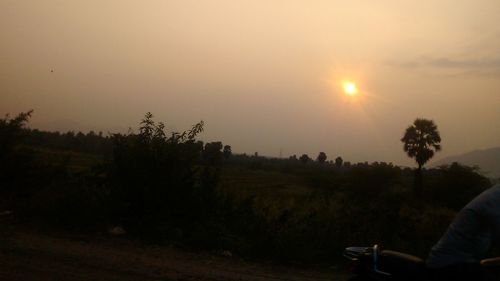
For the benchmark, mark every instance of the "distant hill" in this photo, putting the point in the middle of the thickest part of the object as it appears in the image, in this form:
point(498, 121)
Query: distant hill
point(488, 161)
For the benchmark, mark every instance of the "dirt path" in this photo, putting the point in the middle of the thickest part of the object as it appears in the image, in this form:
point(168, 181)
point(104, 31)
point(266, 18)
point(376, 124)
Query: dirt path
point(26, 255)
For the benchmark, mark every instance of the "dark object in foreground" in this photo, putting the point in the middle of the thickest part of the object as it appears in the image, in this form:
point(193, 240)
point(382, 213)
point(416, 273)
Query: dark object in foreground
point(369, 263)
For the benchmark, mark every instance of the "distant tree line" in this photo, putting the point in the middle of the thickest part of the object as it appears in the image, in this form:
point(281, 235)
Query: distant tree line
point(91, 142)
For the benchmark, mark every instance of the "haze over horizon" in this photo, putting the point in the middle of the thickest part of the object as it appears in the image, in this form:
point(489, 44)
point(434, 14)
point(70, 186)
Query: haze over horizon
point(265, 76)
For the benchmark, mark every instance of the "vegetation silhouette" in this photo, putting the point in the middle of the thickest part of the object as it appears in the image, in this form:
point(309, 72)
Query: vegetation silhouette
point(227, 151)
point(11, 131)
point(339, 161)
point(15, 160)
point(421, 140)
point(321, 157)
point(156, 177)
point(304, 158)
point(170, 187)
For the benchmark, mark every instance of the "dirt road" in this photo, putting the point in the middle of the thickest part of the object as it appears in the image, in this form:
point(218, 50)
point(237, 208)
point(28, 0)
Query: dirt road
point(29, 255)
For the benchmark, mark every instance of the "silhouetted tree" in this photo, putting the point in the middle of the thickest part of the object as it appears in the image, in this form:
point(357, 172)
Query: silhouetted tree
point(338, 162)
point(321, 157)
point(421, 140)
point(304, 158)
point(15, 160)
point(147, 127)
point(154, 176)
point(212, 153)
point(462, 181)
point(227, 151)
point(10, 131)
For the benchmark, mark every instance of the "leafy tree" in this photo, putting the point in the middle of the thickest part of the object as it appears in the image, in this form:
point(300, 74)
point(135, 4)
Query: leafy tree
point(338, 162)
point(304, 158)
point(462, 181)
point(421, 140)
point(227, 151)
point(212, 153)
point(147, 127)
point(17, 169)
point(11, 131)
point(154, 176)
point(321, 157)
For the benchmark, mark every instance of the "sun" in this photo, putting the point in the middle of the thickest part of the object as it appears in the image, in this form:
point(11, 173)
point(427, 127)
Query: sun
point(350, 88)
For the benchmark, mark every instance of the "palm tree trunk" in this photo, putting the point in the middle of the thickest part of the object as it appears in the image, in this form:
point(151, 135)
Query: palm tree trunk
point(418, 184)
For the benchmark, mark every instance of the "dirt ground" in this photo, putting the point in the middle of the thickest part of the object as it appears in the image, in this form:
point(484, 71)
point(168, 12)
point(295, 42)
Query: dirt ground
point(26, 254)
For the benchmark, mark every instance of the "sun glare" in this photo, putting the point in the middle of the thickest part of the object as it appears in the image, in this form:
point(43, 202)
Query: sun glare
point(350, 88)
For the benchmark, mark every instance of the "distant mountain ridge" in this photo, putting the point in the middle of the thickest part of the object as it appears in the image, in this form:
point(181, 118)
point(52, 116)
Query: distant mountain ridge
point(488, 160)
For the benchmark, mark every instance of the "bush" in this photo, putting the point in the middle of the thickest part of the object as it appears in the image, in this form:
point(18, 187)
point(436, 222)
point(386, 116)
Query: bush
point(156, 179)
point(453, 186)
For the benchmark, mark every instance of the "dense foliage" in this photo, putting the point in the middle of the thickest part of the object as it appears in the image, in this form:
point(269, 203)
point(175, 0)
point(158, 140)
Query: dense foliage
point(170, 186)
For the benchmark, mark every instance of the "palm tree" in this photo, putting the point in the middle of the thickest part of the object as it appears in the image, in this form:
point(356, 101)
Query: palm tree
point(421, 141)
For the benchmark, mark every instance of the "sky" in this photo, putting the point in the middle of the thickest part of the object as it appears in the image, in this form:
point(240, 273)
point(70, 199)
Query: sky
point(265, 76)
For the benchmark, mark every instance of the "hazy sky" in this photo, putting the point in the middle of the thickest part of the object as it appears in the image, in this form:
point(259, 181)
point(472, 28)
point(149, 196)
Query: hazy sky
point(263, 75)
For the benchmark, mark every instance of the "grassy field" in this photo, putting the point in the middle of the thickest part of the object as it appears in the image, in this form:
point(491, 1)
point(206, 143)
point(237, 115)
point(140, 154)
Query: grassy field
point(73, 161)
